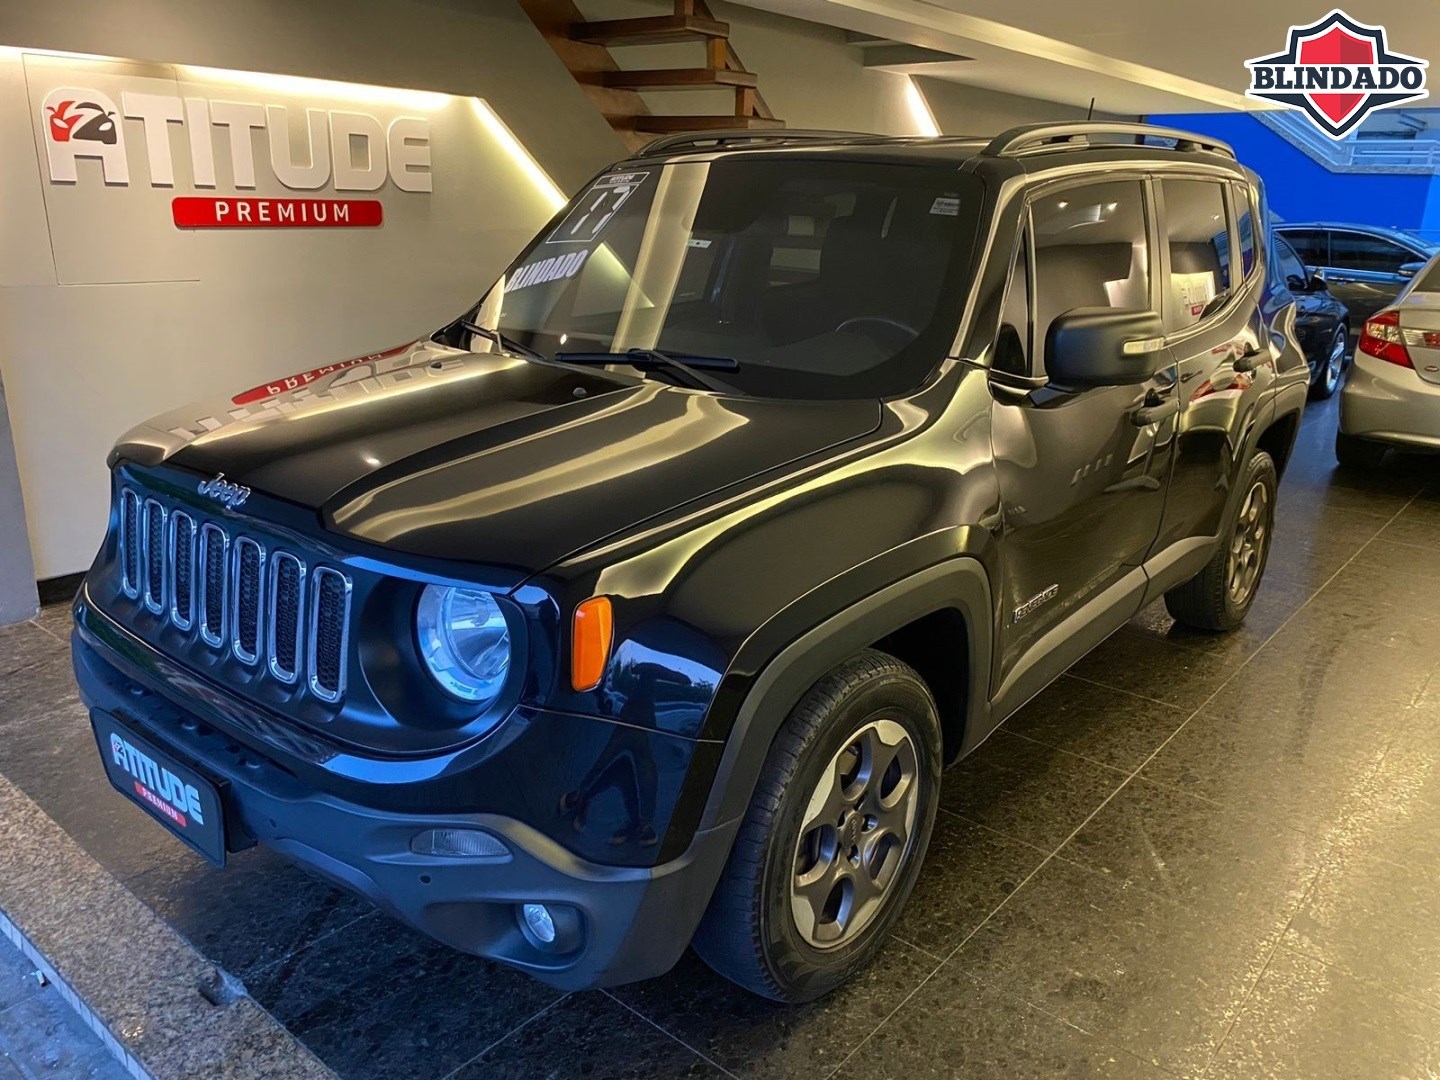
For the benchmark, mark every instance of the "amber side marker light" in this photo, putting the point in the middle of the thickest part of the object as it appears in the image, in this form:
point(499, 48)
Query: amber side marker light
point(590, 642)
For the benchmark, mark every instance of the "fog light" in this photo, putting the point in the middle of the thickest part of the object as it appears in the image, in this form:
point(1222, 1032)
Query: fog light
point(541, 923)
point(458, 843)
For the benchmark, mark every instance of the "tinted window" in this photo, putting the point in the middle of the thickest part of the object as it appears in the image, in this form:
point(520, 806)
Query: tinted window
point(1199, 243)
point(1356, 251)
point(1012, 344)
point(1090, 251)
point(1290, 264)
point(1245, 232)
point(821, 279)
point(1311, 245)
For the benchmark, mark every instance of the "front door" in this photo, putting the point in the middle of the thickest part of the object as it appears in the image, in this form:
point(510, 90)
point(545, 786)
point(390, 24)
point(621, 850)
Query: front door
point(1363, 273)
point(1082, 475)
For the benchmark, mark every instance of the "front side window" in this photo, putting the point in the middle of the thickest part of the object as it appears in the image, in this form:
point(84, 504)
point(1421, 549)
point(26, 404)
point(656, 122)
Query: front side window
point(1356, 251)
point(819, 278)
point(1292, 270)
point(1090, 250)
point(1197, 236)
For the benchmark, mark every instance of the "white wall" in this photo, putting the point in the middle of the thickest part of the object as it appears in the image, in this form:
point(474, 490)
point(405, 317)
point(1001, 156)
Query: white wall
point(222, 311)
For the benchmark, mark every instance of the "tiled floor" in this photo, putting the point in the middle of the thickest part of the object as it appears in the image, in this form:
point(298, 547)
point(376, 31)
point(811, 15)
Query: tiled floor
point(1198, 856)
point(40, 1034)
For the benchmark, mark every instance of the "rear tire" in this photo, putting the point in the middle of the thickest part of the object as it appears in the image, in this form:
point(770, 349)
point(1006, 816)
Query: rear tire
point(1219, 597)
point(1357, 453)
point(854, 765)
point(1334, 369)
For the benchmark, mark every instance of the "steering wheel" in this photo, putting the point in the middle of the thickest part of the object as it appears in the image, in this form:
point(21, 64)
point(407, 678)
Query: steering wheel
point(879, 320)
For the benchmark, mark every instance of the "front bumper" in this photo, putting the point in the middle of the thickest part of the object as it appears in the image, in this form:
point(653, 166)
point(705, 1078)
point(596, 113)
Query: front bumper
point(626, 923)
point(1390, 403)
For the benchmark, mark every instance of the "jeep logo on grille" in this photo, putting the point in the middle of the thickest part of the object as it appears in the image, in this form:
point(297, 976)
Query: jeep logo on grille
point(224, 492)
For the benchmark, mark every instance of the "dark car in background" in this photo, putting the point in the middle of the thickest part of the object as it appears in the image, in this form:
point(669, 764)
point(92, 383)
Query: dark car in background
point(1322, 323)
point(1365, 266)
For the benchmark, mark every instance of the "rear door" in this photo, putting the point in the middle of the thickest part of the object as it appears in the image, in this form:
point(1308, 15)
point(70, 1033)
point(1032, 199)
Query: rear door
point(1212, 273)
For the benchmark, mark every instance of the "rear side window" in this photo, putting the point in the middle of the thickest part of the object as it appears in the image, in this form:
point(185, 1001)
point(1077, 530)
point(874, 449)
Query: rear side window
point(1197, 235)
point(1312, 245)
point(1244, 227)
point(1292, 271)
point(1356, 251)
point(1090, 250)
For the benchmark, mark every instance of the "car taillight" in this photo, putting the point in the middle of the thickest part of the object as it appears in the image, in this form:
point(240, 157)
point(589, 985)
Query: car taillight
point(1383, 339)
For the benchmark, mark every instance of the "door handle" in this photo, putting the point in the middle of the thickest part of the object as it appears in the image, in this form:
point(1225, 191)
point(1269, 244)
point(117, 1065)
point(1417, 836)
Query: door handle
point(1154, 411)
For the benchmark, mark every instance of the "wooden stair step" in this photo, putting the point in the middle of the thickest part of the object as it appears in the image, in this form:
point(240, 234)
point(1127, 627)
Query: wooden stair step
point(665, 125)
point(652, 30)
point(680, 79)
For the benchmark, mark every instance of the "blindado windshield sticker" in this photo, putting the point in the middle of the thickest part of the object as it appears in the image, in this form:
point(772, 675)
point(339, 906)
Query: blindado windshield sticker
point(538, 273)
point(946, 206)
point(584, 223)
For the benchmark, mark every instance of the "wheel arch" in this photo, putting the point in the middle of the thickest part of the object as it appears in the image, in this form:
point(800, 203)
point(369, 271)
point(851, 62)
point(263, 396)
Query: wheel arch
point(921, 617)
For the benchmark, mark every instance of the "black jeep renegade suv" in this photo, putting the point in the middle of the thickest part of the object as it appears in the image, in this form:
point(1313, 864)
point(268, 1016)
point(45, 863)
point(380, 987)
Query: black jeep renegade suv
point(644, 604)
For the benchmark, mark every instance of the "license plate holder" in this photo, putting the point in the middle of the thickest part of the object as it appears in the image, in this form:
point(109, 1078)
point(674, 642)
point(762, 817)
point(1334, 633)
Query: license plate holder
point(170, 791)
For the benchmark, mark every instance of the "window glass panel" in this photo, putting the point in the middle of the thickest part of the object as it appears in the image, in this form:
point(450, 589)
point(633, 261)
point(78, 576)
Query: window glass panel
point(1290, 264)
point(1090, 251)
point(1356, 251)
point(1199, 245)
point(1246, 229)
point(1310, 244)
point(1012, 342)
point(1429, 279)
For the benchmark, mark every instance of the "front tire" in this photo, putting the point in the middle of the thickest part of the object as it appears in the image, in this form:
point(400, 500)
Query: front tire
point(1219, 597)
point(835, 834)
point(1355, 453)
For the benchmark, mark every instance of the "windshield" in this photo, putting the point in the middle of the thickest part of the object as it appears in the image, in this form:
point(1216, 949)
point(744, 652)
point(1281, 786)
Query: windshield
point(820, 279)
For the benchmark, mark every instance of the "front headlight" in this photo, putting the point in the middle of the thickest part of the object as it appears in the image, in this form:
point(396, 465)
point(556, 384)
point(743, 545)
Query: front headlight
point(464, 642)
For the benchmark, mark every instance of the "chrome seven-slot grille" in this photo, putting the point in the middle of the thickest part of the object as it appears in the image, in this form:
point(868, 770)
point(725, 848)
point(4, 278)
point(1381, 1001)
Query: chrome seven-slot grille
point(224, 586)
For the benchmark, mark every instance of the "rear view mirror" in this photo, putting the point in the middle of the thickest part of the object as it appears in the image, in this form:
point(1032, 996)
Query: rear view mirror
point(1410, 269)
point(1098, 346)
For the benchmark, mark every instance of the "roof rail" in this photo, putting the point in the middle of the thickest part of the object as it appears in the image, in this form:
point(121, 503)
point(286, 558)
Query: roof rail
point(1032, 137)
point(699, 140)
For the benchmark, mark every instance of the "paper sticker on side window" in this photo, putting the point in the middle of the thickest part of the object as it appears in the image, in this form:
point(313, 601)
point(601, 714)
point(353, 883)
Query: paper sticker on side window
point(590, 216)
point(946, 205)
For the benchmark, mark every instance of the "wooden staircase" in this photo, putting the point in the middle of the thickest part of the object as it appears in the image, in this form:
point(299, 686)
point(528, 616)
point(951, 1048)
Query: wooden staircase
point(585, 49)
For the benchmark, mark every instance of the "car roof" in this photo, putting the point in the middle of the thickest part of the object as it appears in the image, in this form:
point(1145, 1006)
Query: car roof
point(1385, 232)
point(1015, 149)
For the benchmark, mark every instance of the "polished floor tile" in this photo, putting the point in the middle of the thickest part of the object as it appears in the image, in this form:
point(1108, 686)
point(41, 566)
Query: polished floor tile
point(231, 915)
point(372, 999)
point(751, 1037)
point(1096, 722)
point(1308, 1021)
point(1026, 790)
point(1145, 665)
point(24, 644)
point(969, 871)
point(958, 1027)
point(1139, 971)
point(588, 1035)
point(1225, 863)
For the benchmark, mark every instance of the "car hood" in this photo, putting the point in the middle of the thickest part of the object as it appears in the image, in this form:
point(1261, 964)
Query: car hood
point(486, 458)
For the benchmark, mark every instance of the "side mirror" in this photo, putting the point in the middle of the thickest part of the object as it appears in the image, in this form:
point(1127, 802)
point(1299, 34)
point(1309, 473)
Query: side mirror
point(1410, 269)
point(1296, 284)
point(1095, 346)
point(1317, 282)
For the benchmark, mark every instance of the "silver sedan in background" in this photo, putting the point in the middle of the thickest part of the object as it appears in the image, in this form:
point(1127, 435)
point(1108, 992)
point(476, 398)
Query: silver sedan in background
point(1392, 397)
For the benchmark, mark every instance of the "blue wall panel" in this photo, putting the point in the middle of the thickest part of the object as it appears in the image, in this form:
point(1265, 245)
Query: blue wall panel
point(1301, 189)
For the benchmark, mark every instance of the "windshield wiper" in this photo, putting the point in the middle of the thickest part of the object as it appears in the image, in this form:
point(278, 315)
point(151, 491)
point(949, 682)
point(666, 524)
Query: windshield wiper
point(508, 344)
point(687, 366)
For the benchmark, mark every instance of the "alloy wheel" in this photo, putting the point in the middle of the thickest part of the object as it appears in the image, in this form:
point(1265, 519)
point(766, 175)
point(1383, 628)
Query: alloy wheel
point(1335, 362)
point(859, 828)
point(1248, 544)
